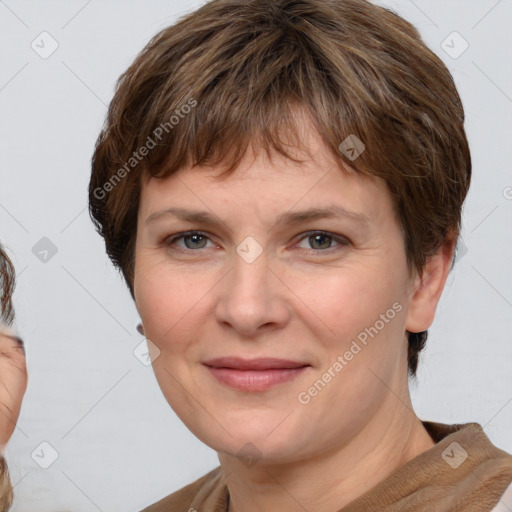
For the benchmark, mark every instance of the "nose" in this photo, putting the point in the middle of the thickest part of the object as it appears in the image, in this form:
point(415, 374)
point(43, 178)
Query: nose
point(253, 298)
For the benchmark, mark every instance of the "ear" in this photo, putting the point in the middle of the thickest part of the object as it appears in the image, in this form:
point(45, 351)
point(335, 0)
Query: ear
point(427, 288)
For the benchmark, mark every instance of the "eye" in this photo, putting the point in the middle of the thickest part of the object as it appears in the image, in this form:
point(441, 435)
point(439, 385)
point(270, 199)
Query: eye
point(323, 240)
point(320, 241)
point(192, 239)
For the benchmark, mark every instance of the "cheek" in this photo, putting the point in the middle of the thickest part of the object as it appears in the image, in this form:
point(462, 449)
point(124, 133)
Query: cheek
point(346, 301)
point(168, 300)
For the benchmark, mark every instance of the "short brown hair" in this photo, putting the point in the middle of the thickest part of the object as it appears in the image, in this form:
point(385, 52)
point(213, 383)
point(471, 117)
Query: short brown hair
point(228, 75)
point(7, 284)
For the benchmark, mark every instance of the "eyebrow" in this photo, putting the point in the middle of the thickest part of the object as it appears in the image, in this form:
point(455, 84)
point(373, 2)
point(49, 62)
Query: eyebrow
point(289, 218)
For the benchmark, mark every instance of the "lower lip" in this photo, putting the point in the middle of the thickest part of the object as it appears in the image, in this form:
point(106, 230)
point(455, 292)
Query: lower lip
point(255, 380)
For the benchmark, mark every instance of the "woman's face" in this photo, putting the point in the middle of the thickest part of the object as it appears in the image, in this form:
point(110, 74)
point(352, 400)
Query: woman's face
point(260, 282)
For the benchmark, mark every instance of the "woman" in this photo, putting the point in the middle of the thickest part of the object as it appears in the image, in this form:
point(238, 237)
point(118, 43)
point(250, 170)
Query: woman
point(239, 139)
point(13, 375)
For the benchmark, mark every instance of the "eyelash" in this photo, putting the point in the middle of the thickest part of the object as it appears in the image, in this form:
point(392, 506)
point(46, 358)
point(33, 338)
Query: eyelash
point(342, 241)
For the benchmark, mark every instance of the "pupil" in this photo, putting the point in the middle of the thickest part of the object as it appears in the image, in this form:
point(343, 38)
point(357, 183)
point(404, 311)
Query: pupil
point(195, 239)
point(320, 237)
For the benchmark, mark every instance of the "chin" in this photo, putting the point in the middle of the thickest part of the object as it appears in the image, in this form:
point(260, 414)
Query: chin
point(262, 451)
point(271, 439)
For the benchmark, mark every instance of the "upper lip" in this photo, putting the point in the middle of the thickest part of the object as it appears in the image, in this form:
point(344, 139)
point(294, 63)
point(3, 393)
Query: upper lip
point(262, 363)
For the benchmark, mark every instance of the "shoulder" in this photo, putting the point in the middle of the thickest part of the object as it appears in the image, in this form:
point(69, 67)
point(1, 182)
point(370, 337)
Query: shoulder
point(505, 503)
point(185, 498)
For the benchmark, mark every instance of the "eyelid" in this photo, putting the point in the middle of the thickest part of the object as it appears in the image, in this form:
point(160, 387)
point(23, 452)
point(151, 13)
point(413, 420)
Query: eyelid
point(341, 240)
point(172, 238)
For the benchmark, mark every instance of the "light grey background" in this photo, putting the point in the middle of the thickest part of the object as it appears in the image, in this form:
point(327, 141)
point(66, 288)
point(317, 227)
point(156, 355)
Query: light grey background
point(120, 447)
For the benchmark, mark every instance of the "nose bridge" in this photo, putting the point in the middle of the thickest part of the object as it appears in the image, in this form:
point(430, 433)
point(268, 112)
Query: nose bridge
point(251, 295)
point(249, 280)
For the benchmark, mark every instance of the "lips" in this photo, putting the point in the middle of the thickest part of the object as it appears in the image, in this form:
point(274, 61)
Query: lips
point(254, 375)
point(237, 363)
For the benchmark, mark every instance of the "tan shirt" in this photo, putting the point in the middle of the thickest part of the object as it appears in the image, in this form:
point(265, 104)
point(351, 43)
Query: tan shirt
point(464, 471)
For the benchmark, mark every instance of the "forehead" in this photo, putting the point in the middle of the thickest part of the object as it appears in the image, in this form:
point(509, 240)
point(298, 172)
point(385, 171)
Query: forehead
point(268, 196)
point(270, 183)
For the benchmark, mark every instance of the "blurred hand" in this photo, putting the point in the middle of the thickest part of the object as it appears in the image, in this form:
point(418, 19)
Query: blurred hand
point(13, 384)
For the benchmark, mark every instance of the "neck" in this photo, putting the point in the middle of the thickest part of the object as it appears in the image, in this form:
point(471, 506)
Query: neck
point(393, 437)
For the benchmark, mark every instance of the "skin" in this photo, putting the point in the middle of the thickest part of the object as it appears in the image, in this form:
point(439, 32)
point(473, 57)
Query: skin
point(13, 385)
point(298, 300)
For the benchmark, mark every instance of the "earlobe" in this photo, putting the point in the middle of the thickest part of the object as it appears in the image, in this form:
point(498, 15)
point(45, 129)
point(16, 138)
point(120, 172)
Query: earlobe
point(140, 328)
point(428, 287)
